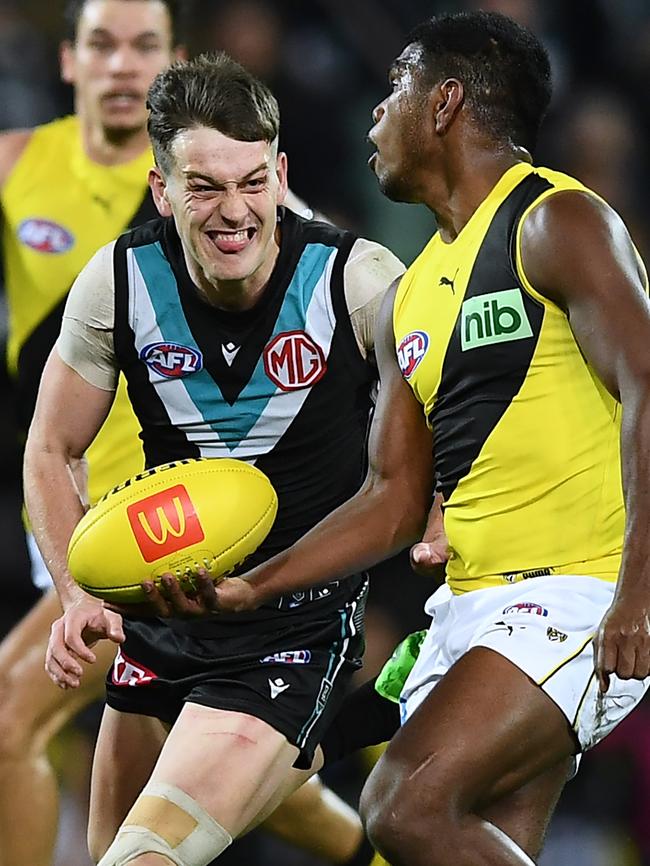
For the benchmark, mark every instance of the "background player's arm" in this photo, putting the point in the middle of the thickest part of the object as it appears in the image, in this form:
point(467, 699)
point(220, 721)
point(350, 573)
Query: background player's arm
point(75, 395)
point(386, 515)
point(577, 252)
point(69, 412)
point(12, 145)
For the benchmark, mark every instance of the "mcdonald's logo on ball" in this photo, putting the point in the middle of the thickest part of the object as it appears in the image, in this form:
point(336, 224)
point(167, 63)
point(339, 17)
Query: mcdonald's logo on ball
point(164, 523)
point(190, 517)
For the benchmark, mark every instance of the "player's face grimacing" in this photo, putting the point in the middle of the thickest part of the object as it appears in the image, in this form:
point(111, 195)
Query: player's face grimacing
point(397, 131)
point(119, 49)
point(224, 194)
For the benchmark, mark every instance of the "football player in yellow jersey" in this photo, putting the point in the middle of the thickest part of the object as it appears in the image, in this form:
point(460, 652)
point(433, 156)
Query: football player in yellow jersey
point(67, 188)
point(513, 357)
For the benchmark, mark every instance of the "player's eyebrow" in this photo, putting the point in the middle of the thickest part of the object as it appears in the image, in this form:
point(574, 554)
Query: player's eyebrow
point(198, 175)
point(106, 34)
point(398, 66)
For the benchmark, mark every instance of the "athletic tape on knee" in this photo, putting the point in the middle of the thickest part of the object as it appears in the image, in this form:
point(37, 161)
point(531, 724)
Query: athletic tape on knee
point(165, 820)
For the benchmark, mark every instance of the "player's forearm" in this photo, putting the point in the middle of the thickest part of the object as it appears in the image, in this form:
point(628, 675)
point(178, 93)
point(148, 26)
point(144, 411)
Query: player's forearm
point(54, 509)
point(635, 457)
point(372, 526)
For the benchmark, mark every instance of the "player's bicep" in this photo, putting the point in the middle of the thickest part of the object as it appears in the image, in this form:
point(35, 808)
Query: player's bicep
point(400, 451)
point(86, 340)
point(69, 411)
point(577, 252)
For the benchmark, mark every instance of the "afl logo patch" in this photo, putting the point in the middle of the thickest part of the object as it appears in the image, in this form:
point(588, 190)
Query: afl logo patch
point(172, 360)
point(44, 236)
point(526, 607)
point(292, 360)
point(411, 350)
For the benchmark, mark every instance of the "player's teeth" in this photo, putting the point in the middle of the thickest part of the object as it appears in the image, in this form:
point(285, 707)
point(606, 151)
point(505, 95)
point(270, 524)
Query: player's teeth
point(233, 236)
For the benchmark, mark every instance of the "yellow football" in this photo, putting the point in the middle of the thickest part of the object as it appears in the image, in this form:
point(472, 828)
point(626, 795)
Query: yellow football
point(179, 517)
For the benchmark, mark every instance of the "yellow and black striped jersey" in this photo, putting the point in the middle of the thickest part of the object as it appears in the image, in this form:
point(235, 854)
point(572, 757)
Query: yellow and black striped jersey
point(526, 438)
point(58, 208)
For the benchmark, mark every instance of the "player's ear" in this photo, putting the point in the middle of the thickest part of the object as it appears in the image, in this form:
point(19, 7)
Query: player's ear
point(180, 52)
point(449, 99)
point(281, 169)
point(67, 61)
point(158, 187)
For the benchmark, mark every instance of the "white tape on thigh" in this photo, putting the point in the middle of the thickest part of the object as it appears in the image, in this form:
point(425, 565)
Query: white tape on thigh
point(165, 820)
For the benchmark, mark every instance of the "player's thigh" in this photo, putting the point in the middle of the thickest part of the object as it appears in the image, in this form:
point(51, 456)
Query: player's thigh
point(282, 806)
point(231, 763)
point(128, 746)
point(485, 731)
point(26, 692)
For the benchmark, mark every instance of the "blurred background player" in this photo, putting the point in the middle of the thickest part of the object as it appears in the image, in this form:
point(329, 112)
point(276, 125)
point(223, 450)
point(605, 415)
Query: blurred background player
point(67, 188)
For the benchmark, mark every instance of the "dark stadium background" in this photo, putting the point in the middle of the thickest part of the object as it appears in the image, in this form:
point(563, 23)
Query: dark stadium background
point(326, 61)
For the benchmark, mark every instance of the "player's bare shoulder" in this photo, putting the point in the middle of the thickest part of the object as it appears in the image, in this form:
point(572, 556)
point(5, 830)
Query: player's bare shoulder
point(371, 268)
point(12, 144)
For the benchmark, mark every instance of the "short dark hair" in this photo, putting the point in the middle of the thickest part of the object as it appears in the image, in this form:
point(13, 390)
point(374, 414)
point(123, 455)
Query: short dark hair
point(74, 8)
point(210, 90)
point(502, 65)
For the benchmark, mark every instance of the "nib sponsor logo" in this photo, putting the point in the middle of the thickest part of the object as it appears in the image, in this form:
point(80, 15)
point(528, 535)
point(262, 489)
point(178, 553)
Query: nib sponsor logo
point(497, 317)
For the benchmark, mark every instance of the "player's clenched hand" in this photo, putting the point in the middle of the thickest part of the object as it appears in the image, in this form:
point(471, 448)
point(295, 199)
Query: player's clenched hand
point(433, 550)
point(84, 623)
point(171, 600)
point(622, 643)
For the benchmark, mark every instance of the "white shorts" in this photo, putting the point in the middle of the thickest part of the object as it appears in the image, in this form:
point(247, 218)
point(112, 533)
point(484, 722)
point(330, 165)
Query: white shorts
point(545, 626)
point(41, 577)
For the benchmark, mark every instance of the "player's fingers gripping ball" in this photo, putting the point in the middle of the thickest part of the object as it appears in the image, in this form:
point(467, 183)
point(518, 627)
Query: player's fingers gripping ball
point(180, 517)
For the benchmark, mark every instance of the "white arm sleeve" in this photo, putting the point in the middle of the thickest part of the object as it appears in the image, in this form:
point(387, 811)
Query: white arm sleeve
point(86, 339)
point(368, 273)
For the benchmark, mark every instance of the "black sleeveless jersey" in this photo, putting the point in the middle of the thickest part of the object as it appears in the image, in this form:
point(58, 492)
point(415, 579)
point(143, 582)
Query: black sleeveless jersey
point(282, 386)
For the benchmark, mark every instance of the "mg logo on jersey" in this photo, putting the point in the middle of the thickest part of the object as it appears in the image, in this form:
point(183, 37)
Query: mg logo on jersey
point(411, 350)
point(497, 317)
point(44, 236)
point(126, 672)
point(172, 360)
point(292, 360)
point(164, 523)
point(526, 607)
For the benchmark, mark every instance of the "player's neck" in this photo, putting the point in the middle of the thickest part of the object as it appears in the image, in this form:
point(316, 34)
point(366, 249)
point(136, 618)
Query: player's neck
point(471, 178)
point(100, 148)
point(234, 296)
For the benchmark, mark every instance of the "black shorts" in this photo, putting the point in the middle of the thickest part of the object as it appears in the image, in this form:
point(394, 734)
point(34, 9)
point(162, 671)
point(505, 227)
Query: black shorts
point(293, 676)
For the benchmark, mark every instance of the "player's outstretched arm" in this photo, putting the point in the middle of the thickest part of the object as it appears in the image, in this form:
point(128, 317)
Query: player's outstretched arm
point(386, 515)
point(69, 412)
point(577, 252)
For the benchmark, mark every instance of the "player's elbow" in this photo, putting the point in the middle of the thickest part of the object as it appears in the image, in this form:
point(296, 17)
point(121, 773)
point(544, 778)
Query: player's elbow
point(401, 508)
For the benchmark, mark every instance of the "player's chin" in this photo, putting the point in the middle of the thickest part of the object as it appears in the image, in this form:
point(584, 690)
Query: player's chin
point(117, 129)
point(235, 267)
point(393, 188)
